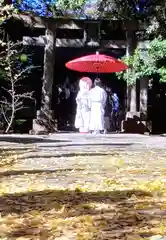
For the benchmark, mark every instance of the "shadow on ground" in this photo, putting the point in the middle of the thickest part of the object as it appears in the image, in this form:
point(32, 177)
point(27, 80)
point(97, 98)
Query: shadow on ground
point(119, 218)
point(43, 200)
point(36, 171)
point(28, 140)
point(65, 155)
point(90, 144)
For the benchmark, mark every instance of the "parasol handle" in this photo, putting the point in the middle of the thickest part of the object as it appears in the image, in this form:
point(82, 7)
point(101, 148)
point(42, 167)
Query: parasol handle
point(97, 73)
point(97, 53)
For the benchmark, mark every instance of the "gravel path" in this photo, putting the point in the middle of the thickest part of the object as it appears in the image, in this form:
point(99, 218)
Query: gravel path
point(64, 159)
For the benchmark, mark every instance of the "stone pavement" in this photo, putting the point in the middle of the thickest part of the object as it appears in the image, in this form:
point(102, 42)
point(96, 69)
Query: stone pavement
point(75, 143)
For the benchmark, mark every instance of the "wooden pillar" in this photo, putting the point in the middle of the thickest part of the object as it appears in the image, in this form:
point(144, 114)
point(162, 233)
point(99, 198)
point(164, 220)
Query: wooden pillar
point(132, 122)
point(143, 97)
point(135, 118)
point(131, 44)
point(144, 83)
point(48, 71)
point(44, 122)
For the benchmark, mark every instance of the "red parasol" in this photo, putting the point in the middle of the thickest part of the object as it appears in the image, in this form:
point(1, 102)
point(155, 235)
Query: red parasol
point(96, 63)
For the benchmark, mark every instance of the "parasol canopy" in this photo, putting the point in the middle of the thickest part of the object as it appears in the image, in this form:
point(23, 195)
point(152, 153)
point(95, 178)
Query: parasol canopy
point(97, 63)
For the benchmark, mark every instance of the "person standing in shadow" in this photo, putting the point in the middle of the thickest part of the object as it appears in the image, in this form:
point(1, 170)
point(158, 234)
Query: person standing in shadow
point(115, 112)
point(108, 110)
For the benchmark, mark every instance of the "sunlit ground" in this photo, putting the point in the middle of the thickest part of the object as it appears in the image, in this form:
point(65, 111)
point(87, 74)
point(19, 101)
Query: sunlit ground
point(119, 196)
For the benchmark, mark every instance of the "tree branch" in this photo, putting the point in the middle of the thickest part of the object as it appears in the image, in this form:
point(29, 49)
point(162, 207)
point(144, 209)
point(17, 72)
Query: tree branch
point(15, 101)
point(16, 77)
point(5, 103)
point(20, 108)
point(4, 115)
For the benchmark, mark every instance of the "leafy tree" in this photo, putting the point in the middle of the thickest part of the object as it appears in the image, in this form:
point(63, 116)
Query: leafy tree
point(69, 8)
point(157, 20)
point(151, 12)
point(157, 52)
point(5, 11)
point(144, 64)
point(139, 11)
point(147, 63)
point(40, 8)
point(128, 9)
point(49, 8)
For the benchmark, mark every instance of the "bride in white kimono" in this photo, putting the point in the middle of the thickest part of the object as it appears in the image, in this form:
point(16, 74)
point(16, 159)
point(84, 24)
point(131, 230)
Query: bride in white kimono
point(83, 105)
point(98, 98)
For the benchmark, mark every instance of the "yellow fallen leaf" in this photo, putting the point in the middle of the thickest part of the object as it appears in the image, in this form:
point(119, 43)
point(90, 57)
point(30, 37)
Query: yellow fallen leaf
point(133, 237)
point(121, 162)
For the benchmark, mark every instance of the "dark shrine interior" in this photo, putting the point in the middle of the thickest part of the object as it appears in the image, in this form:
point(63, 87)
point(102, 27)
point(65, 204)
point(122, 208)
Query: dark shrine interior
point(156, 96)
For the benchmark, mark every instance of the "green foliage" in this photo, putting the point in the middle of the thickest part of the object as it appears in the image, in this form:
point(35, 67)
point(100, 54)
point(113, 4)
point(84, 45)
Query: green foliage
point(129, 9)
point(23, 58)
point(65, 8)
point(5, 11)
point(137, 69)
point(162, 72)
point(146, 63)
point(117, 9)
point(157, 21)
point(20, 121)
point(152, 13)
point(157, 48)
point(69, 5)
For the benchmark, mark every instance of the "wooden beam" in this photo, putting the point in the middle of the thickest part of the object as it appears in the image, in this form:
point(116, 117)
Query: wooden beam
point(122, 44)
point(68, 23)
point(34, 41)
point(40, 41)
point(77, 43)
point(30, 21)
point(40, 22)
point(113, 44)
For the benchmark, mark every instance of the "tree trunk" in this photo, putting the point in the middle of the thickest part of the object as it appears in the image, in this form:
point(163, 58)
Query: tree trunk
point(13, 110)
